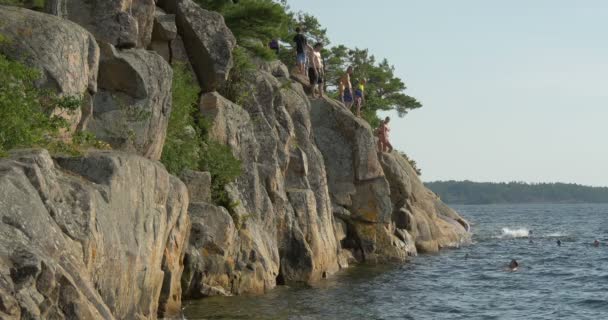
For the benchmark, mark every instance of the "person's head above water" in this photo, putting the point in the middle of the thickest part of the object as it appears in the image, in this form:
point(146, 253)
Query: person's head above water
point(596, 243)
point(513, 264)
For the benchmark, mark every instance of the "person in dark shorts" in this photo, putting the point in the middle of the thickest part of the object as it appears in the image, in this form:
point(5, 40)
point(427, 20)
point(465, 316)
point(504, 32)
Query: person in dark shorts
point(301, 43)
point(346, 88)
point(315, 69)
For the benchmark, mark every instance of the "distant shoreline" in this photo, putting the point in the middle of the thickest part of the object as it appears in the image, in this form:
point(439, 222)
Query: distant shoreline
point(477, 193)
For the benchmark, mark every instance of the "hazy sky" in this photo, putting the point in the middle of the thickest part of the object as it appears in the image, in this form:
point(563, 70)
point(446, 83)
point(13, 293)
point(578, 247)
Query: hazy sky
point(512, 90)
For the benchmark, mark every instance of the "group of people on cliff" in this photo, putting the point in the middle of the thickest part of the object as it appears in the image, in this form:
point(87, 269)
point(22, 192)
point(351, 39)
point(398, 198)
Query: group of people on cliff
point(310, 63)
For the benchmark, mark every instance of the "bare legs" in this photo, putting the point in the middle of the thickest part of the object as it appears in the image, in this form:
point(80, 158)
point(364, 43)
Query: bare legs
point(384, 145)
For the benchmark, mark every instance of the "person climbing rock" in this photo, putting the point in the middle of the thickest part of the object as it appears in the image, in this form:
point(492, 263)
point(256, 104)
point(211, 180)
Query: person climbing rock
point(346, 88)
point(360, 96)
point(315, 69)
point(383, 132)
point(301, 42)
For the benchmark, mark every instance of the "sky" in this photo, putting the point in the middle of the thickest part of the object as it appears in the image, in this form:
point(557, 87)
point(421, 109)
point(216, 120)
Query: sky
point(512, 90)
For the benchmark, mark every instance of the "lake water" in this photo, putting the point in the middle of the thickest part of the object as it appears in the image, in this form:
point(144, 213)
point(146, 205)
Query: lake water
point(567, 282)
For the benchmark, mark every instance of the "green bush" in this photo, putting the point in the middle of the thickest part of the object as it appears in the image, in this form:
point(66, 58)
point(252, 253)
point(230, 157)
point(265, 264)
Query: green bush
point(224, 168)
point(29, 115)
point(236, 89)
point(182, 148)
point(31, 4)
point(188, 146)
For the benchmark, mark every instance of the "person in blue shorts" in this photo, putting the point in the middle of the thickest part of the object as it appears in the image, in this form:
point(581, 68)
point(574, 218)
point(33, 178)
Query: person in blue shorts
point(301, 43)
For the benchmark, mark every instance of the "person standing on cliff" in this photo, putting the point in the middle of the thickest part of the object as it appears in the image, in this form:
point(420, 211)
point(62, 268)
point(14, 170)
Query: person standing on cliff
point(315, 69)
point(346, 89)
point(301, 43)
point(383, 132)
point(360, 96)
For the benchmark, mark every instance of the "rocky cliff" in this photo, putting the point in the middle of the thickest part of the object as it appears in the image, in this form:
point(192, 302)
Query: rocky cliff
point(112, 235)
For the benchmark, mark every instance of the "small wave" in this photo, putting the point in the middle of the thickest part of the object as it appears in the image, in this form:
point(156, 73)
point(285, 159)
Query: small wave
point(515, 233)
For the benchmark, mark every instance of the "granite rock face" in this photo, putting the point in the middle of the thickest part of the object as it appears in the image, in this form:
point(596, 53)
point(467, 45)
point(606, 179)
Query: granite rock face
point(65, 53)
point(417, 210)
point(208, 42)
point(387, 212)
point(122, 23)
point(132, 108)
point(94, 237)
point(283, 227)
point(359, 191)
point(112, 235)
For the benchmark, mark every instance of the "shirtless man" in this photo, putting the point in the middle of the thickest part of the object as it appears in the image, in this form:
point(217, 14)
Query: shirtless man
point(383, 131)
point(315, 68)
point(346, 89)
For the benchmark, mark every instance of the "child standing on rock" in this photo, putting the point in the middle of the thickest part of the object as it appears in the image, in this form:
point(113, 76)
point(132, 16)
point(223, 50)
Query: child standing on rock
point(360, 96)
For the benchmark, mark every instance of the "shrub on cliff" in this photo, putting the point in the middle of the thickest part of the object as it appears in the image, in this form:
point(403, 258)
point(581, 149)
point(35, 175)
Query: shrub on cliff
point(224, 168)
point(253, 22)
point(182, 148)
point(30, 4)
point(30, 116)
point(236, 89)
point(188, 146)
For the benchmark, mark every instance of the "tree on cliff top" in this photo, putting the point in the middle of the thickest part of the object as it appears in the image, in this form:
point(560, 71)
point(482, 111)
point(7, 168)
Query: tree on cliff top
point(253, 22)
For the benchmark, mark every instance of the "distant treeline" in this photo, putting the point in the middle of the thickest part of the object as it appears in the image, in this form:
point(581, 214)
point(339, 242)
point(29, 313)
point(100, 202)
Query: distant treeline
point(468, 192)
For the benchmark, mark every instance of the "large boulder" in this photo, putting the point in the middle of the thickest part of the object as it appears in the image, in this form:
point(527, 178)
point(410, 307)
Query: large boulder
point(418, 211)
point(132, 108)
point(65, 53)
point(122, 23)
point(360, 193)
point(164, 32)
point(208, 41)
point(94, 237)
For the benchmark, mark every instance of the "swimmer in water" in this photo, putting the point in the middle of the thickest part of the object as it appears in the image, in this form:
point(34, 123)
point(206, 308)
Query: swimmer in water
point(596, 243)
point(466, 256)
point(513, 265)
point(530, 236)
point(559, 243)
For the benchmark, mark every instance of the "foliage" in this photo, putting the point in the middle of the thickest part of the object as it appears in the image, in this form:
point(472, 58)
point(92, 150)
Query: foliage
point(183, 147)
point(224, 168)
point(383, 90)
point(236, 89)
point(468, 192)
point(31, 117)
point(253, 22)
point(188, 145)
point(31, 4)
